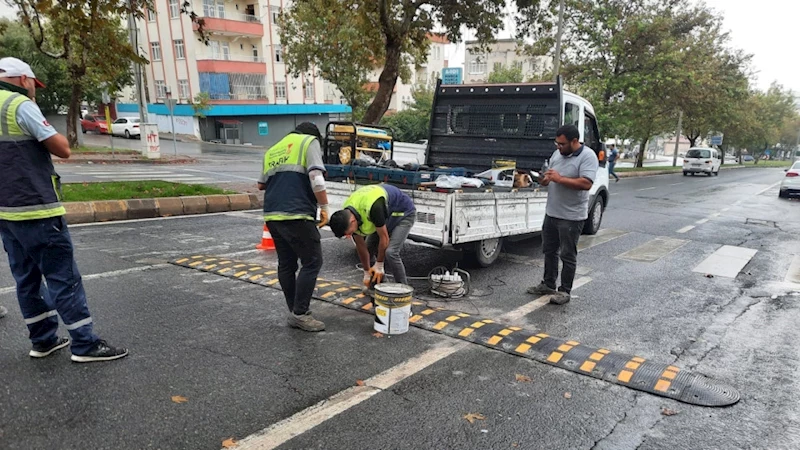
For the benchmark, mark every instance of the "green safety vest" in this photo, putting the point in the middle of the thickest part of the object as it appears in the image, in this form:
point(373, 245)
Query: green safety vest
point(288, 194)
point(361, 201)
point(29, 185)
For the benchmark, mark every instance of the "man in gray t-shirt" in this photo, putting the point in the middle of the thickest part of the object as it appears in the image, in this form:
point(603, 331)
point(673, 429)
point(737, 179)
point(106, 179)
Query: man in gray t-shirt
point(573, 168)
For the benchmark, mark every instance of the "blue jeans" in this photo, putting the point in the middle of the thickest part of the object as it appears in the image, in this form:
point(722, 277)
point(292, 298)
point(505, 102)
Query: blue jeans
point(611, 170)
point(43, 247)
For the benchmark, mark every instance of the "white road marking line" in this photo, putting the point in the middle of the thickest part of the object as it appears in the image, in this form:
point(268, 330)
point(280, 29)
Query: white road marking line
point(281, 432)
point(793, 275)
point(725, 209)
point(109, 274)
point(122, 173)
point(675, 184)
point(646, 189)
point(768, 188)
point(519, 313)
point(686, 229)
point(727, 261)
point(653, 250)
point(604, 235)
point(714, 215)
point(222, 174)
point(702, 221)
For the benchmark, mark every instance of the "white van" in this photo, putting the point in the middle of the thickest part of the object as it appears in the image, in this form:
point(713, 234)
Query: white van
point(701, 160)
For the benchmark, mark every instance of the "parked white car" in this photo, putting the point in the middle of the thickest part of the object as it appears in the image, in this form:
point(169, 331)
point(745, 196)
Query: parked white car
point(701, 160)
point(790, 186)
point(126, 126)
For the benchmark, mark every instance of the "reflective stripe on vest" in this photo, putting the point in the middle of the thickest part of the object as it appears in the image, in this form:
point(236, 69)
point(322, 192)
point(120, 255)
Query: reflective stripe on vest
point(16, 151)
point(362, 200)
point(288, 155)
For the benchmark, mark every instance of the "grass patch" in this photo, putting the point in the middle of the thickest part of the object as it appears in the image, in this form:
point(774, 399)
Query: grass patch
point(769, 163)
point(123, 190)
point(648, 169)
point(83, 150)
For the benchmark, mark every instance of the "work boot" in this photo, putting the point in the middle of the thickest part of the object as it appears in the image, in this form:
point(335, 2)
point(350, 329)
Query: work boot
point(42, 350)
point(305, 322)
point(560, 298)
point(541, 289)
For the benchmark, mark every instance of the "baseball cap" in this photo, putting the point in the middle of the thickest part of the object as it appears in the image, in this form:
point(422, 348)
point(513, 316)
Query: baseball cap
point(13, 67)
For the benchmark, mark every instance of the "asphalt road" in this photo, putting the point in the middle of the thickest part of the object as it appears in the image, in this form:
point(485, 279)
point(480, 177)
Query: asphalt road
point(224, 346)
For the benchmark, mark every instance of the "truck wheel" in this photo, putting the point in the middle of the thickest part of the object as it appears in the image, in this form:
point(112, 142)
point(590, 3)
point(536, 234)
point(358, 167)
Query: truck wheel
point(592, 224)
point(485, 252)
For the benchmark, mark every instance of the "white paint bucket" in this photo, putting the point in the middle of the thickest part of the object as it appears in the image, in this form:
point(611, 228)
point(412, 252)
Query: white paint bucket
point(392, 307)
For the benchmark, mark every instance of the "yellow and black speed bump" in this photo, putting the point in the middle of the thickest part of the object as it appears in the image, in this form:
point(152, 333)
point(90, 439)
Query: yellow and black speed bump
point(618, 368)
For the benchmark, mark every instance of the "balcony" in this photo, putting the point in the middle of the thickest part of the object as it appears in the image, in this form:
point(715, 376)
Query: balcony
point(234, 63)
point(233, 25)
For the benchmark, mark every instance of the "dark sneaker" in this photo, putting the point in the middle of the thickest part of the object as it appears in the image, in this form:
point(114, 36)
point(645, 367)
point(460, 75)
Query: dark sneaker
point(305, 322)
point(560, 298)
point(541, 289)
point(101, 352)
point(3, 311)
point(40, 350)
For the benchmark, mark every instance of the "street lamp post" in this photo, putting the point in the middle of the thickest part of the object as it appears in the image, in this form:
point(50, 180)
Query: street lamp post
point(171, 106)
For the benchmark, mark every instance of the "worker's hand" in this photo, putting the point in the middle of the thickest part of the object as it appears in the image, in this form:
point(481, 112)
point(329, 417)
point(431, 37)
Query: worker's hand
point(323, 216)
point(367, 278)
point(552, 175)
point(376, 272)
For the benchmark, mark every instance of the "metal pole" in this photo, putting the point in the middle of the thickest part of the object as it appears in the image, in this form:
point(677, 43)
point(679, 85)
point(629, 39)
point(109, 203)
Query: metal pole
point(557, 57)
point(677, 139)
point(137, 68)
point(174, 139)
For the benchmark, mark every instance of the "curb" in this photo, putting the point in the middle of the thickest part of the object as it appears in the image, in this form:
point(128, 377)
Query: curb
point(650, 173)
point(110, 210)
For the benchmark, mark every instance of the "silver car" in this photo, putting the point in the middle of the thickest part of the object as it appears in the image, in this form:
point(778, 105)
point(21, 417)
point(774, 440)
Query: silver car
point(790, 186)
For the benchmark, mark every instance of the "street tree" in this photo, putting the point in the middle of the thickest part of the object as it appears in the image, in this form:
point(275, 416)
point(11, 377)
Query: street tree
point(506, 74)
point(381, 35)
point(411, 124)
point(87, 37)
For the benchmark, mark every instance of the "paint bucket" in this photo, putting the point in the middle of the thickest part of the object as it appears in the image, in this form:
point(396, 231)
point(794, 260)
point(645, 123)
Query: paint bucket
point(392, 307)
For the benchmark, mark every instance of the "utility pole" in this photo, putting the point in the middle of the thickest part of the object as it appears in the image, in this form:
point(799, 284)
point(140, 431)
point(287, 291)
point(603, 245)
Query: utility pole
point(677, 139)
point(137, 68)
point(560, 33)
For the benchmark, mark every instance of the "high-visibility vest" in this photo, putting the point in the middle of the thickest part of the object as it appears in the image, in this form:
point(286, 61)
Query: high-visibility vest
point(361, 201)
point(288, 194)
point(29, 185)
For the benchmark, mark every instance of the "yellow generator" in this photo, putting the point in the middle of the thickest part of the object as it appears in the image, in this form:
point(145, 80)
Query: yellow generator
point(346, 142)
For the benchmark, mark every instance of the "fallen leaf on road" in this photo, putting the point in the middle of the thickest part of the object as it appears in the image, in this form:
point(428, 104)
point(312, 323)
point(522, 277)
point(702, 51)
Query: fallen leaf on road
point(567, 395)
point(359, 383)
point(229, 443)
point(472, 417)
point(523, 378)
point(514, 444)
point(179, 399)
point(377, 334)
point(668, 412)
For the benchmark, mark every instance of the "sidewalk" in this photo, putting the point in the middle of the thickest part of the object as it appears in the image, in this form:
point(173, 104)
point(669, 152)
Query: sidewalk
point(126, 158)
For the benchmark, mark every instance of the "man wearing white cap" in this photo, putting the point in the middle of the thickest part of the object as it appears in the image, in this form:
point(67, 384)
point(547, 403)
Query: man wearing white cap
point(32, 224)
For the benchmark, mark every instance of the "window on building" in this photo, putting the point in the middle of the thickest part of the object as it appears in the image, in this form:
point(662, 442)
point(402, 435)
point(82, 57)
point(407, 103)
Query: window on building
point(497, 67)
point(215, 51)
point(278, 53)
point(280, 90)
point(161, 89)
point(518, 65)
point(209, 8)
point(310, 89)
point(180, 50)
point(275, 11)
point(226, 51)
point(476, 66)
point(183, 89)
point(174, 9)
point(422, 77)
point(155, 51)
point(221, 9)
point(151, 15)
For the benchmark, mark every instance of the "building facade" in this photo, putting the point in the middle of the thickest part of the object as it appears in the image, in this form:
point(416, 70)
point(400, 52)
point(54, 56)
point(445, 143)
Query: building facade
point(253, 97)
point(478, 64)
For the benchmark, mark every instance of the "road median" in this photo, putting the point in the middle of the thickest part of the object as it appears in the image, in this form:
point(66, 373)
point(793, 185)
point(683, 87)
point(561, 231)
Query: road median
point(626, 173)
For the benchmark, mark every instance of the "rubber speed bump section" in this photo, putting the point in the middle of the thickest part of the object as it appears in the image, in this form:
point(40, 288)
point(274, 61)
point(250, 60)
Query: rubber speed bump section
point(631, 371)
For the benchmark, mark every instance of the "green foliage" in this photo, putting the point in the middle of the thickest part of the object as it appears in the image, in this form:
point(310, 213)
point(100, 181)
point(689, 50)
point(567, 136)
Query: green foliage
point(344, 40)
point(506, 74)
point(412, 124)
point(201, 104)
point(123, 190)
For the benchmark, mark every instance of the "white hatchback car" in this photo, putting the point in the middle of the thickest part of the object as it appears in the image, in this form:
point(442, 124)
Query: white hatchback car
point(701, 160)
point(126, 126)
point(790, 186)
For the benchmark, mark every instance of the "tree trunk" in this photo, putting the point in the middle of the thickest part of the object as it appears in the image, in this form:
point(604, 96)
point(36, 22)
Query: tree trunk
point(692, 140)
point(642, 150)
point(386, 84)
point(73, 112)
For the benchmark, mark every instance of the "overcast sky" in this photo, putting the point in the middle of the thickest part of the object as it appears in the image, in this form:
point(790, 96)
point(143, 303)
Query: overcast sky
point(768, 29)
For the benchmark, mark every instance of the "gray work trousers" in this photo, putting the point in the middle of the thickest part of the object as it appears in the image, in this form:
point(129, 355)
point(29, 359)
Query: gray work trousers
point(397, 237)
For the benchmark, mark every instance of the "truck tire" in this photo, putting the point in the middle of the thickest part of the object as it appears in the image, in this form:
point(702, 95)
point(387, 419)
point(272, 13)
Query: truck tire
point(484, 253)
point(592, 224)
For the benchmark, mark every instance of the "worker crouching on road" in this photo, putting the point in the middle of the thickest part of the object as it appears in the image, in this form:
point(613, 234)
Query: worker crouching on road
point(33, 227)
point(294, 184)
point(383, 215)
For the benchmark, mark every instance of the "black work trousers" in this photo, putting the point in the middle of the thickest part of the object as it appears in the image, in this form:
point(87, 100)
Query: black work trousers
point(297, 239)
point(560, 238)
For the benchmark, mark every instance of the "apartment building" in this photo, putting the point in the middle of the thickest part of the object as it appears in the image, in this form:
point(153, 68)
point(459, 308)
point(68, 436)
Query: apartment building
point(253, 97)
point(478, 64)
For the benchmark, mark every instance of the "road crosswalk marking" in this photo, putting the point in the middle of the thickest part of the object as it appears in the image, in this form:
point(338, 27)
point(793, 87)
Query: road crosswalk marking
point(143, 175)
point(726, 262)
point(602, 236)
point(653, 250)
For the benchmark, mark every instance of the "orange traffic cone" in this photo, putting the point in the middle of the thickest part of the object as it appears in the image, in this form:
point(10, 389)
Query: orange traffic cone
point(266, 240)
